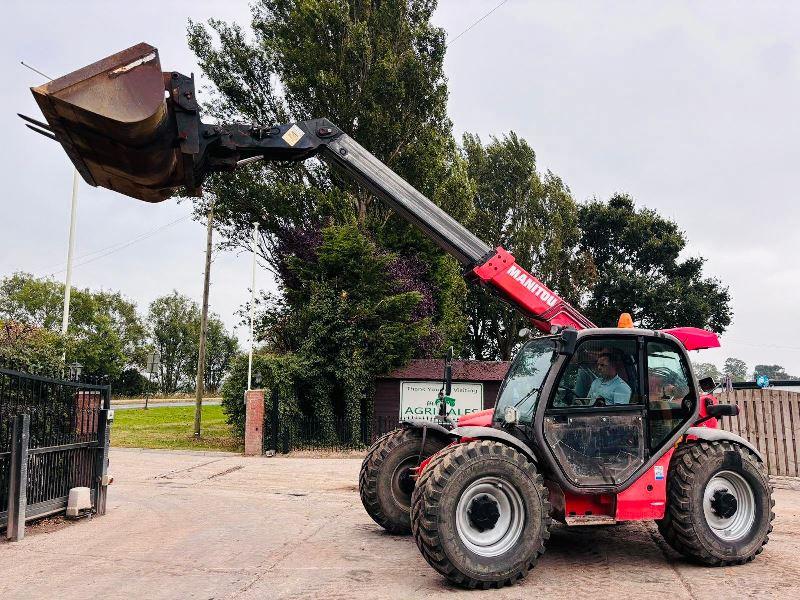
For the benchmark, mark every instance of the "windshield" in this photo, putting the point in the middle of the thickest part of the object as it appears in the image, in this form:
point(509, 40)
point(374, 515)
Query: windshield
point(525, 378)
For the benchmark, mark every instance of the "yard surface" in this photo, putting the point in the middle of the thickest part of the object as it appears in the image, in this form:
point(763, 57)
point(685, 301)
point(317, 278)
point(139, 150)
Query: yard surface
point(173, 428)
point(214, 525)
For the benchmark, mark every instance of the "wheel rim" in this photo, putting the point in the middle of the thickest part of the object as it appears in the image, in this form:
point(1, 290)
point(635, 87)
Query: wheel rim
point(490, 516)
point(402, 482)
point(729, 506)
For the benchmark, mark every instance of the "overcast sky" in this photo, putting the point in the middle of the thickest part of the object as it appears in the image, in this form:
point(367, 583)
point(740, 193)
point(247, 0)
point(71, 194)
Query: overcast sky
point(692, 108)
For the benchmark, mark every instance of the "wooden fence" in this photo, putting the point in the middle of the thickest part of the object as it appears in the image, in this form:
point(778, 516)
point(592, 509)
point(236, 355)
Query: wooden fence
point(770, 420)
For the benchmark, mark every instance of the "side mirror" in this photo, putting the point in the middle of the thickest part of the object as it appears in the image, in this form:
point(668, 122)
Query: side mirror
point(707, 384)
point(722, 410)
point(569, 338)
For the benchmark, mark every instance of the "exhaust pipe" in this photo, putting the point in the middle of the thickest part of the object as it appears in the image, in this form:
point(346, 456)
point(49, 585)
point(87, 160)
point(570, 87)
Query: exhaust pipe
point(125, 125)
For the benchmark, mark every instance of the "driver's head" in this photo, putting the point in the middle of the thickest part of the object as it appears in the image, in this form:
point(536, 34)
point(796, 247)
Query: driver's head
point(605, 366)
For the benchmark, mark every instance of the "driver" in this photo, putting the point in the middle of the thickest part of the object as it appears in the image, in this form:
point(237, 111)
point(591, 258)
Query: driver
point(609, 388)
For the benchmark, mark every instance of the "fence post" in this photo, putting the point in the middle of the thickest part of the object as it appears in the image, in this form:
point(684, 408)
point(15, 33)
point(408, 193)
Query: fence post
point(101, 460)
point(274, 419)
point(17, 496)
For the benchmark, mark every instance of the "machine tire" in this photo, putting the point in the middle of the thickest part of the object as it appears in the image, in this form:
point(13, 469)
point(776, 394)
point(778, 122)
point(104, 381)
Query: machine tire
point(694, 527)
point(442, 514)
point(379, 483)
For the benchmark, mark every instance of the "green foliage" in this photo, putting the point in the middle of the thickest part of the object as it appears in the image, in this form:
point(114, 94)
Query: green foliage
point(132, 383)
point(174, 323)
point(774, 372)
point(105, 333)
point(25, 347)
point(636, 257)
point(221, 348)
point(702, 370)
point(269, 371)
point(533, 216)
point(736, 368)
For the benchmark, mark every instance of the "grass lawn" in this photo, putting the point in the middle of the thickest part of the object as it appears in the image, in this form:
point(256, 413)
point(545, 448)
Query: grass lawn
point(172, 427)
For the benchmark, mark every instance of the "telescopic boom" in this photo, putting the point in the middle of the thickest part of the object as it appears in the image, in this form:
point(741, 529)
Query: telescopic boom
point(129, 127)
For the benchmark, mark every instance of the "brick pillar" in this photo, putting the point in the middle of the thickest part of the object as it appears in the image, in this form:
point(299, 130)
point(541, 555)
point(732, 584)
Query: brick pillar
point(87, 406)
point(254, 423)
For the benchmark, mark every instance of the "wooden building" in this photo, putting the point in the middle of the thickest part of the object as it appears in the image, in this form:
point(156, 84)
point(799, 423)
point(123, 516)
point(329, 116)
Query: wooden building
point(483, 377)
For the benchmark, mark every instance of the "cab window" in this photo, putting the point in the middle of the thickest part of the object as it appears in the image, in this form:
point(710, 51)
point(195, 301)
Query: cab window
point(671, 397)
point(602, 372)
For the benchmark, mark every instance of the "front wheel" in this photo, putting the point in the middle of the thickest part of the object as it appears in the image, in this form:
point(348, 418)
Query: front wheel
point(719, 503)
point(480, 514)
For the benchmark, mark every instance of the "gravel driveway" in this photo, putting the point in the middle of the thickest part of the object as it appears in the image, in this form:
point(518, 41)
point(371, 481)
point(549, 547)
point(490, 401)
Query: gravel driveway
point(213, 525)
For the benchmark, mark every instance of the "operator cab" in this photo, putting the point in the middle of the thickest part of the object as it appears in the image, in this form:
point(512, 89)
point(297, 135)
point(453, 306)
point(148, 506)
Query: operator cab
point(601, 407)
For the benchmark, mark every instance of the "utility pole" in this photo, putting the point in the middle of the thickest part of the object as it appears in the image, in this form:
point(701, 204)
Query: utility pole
point(201, 358)
point(254, 249)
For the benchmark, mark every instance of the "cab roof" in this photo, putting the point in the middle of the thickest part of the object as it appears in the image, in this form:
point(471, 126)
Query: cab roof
point(692, 338)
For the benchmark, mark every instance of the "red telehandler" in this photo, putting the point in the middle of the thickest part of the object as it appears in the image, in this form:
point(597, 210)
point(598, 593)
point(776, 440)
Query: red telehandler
point(592, 425)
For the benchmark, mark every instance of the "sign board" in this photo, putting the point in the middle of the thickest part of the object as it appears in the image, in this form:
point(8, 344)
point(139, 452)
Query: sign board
point(420, 399)
point(762, 381)
point(153, 361)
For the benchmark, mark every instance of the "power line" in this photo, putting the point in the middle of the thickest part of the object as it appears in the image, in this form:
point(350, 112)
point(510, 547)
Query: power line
point(476, 22)
point(108, 250)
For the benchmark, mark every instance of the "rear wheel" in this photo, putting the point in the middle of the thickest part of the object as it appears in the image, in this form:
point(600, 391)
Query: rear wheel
point(719, 503)
point(385, 482)
point(480, 514)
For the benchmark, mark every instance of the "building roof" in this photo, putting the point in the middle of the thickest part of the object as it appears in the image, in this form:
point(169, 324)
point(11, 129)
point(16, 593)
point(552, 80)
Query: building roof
point(463, 370)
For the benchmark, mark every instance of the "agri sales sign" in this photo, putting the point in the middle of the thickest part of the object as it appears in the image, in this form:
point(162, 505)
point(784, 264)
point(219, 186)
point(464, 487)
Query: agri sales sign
point(419, 399)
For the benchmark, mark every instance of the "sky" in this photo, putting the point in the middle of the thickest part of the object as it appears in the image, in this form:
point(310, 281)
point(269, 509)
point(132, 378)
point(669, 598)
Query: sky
point(691, 108)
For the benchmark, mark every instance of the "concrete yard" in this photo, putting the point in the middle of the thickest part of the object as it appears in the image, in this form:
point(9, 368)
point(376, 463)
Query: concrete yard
point(207, 525)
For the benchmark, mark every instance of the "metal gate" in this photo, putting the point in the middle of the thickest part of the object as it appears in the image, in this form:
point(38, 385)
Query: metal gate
point(54, 435)
point(309, 432)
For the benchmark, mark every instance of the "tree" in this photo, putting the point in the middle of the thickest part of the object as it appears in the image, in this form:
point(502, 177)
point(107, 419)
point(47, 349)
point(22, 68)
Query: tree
point(356, 311)
point(221, 348)
point(26, 347)
point(376, 70)
point(105, 333)
point(533, 216)
point(702, 370)
point(774, 372)
point(636, 255)
point(735, 368)
point(174, 322)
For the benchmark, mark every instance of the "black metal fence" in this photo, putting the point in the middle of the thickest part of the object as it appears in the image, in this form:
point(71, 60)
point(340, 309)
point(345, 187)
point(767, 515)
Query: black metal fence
point(313, 433)
point(53, 437)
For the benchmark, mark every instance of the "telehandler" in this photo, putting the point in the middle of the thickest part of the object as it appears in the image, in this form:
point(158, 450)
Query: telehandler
point(592, 426)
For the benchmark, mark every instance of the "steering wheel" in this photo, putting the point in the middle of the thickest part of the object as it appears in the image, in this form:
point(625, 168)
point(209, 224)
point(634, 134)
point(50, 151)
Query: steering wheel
point(568, 399)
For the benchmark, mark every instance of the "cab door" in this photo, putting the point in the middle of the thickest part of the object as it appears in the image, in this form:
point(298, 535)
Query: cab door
point(595, 420)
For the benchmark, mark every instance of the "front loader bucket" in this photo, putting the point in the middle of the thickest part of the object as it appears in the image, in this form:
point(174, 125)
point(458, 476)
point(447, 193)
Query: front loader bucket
point(112, 119)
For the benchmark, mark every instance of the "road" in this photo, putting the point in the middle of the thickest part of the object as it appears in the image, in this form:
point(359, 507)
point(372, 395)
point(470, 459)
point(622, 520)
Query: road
point(214, 525)
point(163, 403)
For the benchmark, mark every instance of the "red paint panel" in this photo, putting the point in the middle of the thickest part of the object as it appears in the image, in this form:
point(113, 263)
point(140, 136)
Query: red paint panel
point(518, 286)
point(592, 504)
point(694, 338)
point(647, 497)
